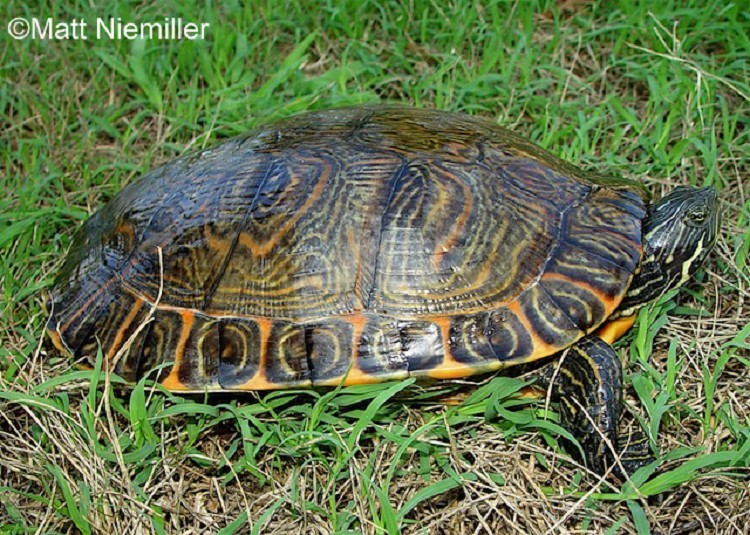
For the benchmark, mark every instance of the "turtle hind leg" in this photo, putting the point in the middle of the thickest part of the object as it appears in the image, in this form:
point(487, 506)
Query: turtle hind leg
point(588, 387)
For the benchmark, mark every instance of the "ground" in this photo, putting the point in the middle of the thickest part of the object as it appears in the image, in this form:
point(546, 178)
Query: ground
point(658, 92)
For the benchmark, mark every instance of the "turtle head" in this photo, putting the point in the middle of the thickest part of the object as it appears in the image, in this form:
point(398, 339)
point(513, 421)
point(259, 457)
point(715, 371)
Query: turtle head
point(679, 233)
point(681, 230)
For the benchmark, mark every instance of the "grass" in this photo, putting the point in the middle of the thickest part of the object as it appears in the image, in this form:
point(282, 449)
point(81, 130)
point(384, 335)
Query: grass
point(655, 91)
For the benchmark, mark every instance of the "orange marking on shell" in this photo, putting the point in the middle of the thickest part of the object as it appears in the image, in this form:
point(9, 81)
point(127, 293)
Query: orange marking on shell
point(172, 381)
point(125, 324)
point(457, 229)
point(259, 380)
point(358, 322)
point(612, 330)
point(610, 303)
point(354, 377)
point(262, 249)
point(216, 243)
point(541, 348)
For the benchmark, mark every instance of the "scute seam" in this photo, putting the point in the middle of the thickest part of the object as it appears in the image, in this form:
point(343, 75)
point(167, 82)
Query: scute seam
point(561, 232)
point(398, 175)
point(235, 240)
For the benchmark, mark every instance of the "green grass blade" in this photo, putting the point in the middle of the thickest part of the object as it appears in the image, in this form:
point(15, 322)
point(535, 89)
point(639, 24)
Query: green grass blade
point(71, 506)
point(427, 493)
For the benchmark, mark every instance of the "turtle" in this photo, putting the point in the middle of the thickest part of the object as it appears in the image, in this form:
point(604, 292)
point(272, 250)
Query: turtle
point(373, 243)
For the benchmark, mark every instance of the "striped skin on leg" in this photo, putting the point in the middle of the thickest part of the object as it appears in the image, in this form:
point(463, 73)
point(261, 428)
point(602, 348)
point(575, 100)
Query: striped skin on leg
point(588, 387)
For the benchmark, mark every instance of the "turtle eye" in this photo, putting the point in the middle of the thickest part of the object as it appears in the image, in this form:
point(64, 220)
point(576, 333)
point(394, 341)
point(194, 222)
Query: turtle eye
point(697, 217)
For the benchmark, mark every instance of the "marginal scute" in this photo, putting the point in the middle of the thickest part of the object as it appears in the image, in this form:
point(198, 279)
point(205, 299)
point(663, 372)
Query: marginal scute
point(239, 346)
point(286, 356)
point(469, 343)
point(197, 356)
point(79, 329)
point(547, 322)
point(422, 346)
point(380, 349)
point(510, 340)
point(575, 300)
point(153, 348)
point(329, 350)
point(208, 340)
point(117, 335)
point(119, 323)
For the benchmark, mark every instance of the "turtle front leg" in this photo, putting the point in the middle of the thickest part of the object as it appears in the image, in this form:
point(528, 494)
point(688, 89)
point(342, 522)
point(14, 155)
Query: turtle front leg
point(588, 387)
